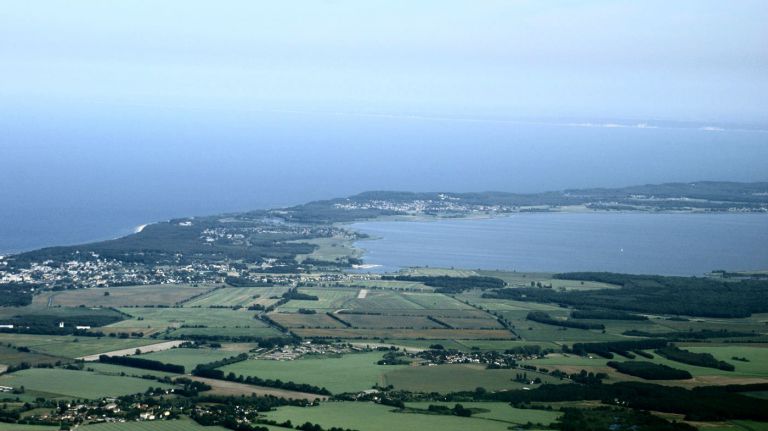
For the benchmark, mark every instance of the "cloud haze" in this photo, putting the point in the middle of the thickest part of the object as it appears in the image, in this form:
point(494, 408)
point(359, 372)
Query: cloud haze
point(683, 60)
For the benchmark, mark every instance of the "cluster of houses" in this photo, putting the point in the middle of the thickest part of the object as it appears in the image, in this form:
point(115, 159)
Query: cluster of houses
point(443, 204)
point(105, 410)
point(293, 352)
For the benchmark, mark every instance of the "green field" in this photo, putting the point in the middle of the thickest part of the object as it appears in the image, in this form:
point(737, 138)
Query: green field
point(60, 383)
point(746, 372)
point(120, 370)
point(121, 296)
point(739, 426)
point(457, 377)
point(72, 347)
point(473, 323)
point(238, 296)
point(330, 249)
point(500, 412)
point(189, 358)
point(12, 356)
point(299, 320)
point(384, 300)
point(376, 417)
point(401, 333)
point(15, 427)
point(349, 373)
point(436, 301)
point(757, 356)
point(214, 321)
point(392, 285)
point(171, 425)
point(524, 279)
point(328, 299)
point(376, 321)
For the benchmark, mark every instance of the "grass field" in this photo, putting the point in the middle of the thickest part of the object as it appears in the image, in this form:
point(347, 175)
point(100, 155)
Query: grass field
point(239, 296)
point(12, 356)
point(119, 370)
point(392, 285)
point(349, 373)
point(121, 296)
point(328, 299)
point(189, 358)
point(72, 347)
point(62, 383)
point(754, 371)
point(376, 321)
point(500, 412)
point(462, 323)
point(524, 279)
point(757, 356)
point(425, 334)
point(456, 377)
point(298, 320)
point(435, 301)
point(737, 426)
point(243, 331)
point(14, 427)
point(172, 425)
point(151, 320)
point(383, 300)
point(329, 249)
point(376, 417)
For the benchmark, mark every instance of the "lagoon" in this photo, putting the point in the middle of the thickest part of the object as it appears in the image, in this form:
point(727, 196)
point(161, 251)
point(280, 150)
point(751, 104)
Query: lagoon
point(642, 243)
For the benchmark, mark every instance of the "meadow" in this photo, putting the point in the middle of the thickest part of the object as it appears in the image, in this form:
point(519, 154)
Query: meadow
point(376, 417)
point(189, 358)
point(500, 412)
point(183, 424)
point(458, 377)
point(238, 297)
point(69, 346)
point(61, 383)
point(121, 296)
point(217, 320)
point(349, 373)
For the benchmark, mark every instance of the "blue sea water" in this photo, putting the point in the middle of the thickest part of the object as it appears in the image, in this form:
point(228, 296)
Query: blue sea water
point(671, 244)
point(78, 173)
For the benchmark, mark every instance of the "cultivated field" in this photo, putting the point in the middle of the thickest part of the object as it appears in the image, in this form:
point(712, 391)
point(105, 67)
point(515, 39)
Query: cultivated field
point(457, 377)
point(192, 320)
point(73, 347)
point(121, 296)
point(376, 417)
point(297, 320)
point(61, 383)
point(239, 296)
point(349, 373)
point(423, 334)
point(156, 347)
point(172, 425)
point(189, 358)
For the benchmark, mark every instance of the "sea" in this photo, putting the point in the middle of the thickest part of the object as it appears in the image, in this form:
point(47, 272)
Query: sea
point(75, 173)
point(637, 243)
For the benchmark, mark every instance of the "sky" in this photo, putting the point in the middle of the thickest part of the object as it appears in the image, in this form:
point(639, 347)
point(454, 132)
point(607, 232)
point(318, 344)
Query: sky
point(689, 60)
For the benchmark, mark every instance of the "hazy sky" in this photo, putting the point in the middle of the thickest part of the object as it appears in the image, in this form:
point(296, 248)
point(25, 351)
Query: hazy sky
point(685, 60)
